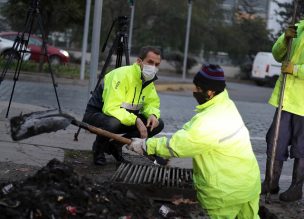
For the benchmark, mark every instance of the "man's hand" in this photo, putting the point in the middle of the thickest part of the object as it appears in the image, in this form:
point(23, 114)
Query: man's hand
point(138, 145)
point(152, 122)
point(141, 128)
point(287, 67)
point(291, 32)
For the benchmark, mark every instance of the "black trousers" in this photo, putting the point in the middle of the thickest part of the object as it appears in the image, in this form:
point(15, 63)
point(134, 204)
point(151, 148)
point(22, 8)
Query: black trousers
point(111, 124)
point(291, 136)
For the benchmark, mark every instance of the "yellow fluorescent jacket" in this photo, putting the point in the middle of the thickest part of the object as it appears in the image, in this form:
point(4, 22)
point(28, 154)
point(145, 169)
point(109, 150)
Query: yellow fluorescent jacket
point(293, 101)
point(225, 170)
point(124, 92)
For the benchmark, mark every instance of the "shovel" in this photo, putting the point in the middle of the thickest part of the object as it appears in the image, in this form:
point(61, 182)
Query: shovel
point(279, 110)
point(28, 125)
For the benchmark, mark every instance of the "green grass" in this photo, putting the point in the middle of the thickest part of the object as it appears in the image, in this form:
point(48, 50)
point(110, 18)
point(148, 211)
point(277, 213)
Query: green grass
point(69, 70)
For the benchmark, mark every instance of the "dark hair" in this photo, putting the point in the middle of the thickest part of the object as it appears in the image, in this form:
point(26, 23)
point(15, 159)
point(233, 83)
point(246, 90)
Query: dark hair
point(146, 49)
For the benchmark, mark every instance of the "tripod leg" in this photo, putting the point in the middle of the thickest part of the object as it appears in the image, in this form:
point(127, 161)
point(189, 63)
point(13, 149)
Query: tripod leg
point(45, 53)
point(119, 51)
point(126, 49)
point(76, 134)
point(17, 41)
point(107, 62)
point(19, 46)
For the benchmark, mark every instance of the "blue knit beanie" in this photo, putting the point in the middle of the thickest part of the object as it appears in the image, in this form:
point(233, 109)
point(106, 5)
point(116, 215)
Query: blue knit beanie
point(210, 77)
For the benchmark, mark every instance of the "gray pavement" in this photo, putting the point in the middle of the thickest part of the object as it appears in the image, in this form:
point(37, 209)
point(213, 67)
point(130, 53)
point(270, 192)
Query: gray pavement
point(177, 107)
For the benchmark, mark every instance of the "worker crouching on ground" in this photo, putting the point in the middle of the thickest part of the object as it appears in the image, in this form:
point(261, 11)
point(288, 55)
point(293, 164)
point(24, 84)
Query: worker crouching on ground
point(128, 104)
point(225, 171)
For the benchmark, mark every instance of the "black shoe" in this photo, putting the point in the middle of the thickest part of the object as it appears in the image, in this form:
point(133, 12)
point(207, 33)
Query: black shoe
point(99, 159)
point(98, 155)
point(265, 189)
point(117, 153)
point(274, 187)
point(294, 192)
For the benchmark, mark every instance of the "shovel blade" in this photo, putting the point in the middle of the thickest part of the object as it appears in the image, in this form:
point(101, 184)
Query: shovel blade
point(31, 124)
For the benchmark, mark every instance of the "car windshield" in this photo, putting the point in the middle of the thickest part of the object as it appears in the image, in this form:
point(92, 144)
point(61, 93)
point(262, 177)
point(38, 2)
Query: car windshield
point(35, 41)
point(32, 41)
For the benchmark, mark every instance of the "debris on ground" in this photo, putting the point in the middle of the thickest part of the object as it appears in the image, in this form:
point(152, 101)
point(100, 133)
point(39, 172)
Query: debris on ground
point(79, 189)
point(57, 191)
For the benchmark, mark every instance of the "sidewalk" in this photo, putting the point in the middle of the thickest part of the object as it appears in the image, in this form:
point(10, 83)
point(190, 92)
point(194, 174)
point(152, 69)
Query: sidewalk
point(36, 151)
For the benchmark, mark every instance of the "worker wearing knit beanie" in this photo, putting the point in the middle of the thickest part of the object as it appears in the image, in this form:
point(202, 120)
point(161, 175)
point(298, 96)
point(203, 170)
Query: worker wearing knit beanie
point(209, 81)
point(226, 174)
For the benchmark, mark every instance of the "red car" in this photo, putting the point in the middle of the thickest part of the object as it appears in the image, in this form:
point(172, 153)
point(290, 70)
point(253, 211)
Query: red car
point(56, 55)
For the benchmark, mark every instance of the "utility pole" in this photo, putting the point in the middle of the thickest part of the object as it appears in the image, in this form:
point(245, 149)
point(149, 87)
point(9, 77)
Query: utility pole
point(187, 38)
point(95, 44)
point(85, 39)
point(132, 6)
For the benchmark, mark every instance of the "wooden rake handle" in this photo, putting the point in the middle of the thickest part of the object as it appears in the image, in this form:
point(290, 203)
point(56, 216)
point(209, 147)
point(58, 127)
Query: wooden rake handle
point(99, 131)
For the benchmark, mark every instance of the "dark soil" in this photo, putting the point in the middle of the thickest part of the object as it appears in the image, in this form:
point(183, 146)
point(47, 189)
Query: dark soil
point(78, 189)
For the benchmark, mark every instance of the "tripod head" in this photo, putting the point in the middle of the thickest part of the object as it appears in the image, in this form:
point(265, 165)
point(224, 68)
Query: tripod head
point(122, 28)
point(35, 4)
point(122, 24)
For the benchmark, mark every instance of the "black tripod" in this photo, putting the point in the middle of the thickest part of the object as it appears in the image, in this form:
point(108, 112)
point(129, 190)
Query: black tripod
point(19, 49)
point(120, 45)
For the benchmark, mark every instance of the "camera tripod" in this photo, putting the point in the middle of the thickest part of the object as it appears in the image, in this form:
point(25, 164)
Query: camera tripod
point(20, 48)
point(120, 45)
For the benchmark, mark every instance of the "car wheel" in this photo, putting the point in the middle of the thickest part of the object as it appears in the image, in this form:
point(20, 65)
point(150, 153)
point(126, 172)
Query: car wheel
point(54, 60)
point(273, 81)
point(260, 83)
point(7, 53)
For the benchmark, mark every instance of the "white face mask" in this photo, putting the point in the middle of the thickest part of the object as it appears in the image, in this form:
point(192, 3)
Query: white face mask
point(149, 72)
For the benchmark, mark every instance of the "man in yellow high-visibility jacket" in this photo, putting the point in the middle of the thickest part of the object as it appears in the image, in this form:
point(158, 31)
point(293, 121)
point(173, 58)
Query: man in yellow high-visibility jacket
point(225, 171)
point(291, 135)
point(127, 103)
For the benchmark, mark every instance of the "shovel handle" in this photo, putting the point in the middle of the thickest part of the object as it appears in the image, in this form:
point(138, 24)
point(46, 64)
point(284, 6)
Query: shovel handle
point(101, 132)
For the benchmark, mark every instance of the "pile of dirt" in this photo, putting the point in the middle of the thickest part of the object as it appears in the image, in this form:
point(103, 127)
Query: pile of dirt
point(81, 190)
point(57, 191)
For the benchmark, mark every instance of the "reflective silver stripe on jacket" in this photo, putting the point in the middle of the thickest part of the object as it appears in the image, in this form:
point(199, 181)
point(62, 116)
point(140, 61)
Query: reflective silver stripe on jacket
point(170, 150)
point(233, 134)
point(129, 106)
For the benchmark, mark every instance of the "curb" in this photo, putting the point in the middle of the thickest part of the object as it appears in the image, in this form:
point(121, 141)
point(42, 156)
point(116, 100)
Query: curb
point(164, 83)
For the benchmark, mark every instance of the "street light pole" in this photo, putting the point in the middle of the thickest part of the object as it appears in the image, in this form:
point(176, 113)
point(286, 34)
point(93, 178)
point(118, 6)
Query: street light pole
point(95, 44)
point(132, 6)
point(187, 38)
point(85, 39)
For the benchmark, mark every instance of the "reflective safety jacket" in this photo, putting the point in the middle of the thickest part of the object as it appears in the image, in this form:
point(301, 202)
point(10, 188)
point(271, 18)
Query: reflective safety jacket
point(225, 170)
point(293, 101)
point(125, 93)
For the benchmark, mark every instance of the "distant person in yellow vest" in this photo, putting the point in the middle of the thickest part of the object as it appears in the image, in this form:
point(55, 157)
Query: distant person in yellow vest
point(291, 133)
point(225, 171)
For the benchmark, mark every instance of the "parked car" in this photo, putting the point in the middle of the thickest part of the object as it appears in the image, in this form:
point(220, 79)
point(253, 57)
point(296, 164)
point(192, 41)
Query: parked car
point(265, 69)
point(6, 49)
point(56, 55)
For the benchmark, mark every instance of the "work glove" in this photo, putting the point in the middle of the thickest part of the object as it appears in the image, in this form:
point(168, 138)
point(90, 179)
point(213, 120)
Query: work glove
point(287, 67)
point(291, 32)
point(138, 145)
